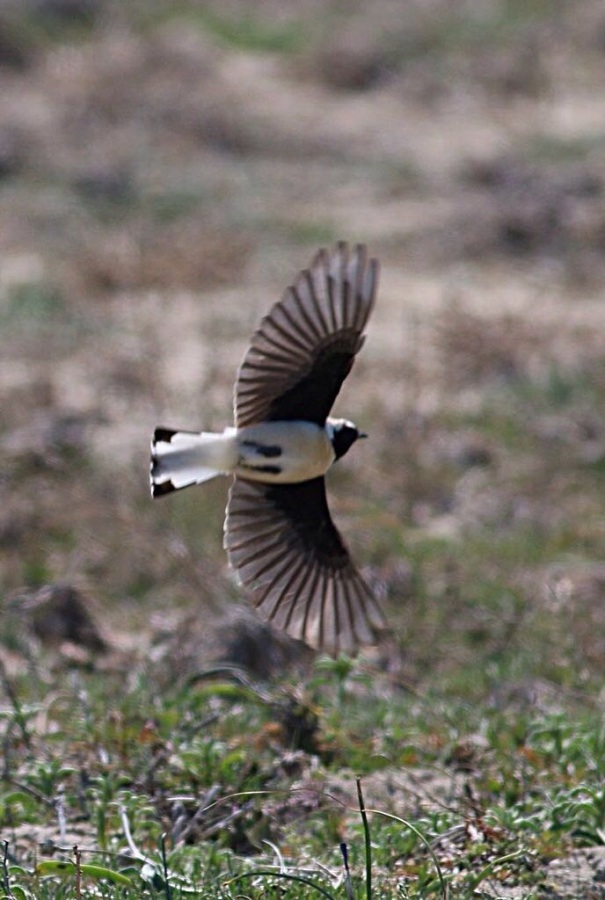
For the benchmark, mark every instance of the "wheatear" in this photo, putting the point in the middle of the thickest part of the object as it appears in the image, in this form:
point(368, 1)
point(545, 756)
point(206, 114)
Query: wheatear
point(279, 534)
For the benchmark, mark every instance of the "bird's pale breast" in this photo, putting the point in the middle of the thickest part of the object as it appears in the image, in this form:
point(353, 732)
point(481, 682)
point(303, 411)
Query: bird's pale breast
point(283, 452)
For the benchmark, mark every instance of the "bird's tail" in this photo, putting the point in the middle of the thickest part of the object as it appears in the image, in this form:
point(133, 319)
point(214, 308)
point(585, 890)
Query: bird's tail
point(181, 458)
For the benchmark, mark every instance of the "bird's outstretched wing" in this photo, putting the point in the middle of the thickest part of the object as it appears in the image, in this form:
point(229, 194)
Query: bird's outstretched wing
point(304, 348)
point(290, 558)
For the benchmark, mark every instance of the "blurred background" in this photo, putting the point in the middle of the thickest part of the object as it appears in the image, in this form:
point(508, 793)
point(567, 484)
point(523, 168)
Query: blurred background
point(166, 168)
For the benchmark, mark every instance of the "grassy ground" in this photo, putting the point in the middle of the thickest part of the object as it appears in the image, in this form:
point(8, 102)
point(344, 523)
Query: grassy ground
point(165, 170)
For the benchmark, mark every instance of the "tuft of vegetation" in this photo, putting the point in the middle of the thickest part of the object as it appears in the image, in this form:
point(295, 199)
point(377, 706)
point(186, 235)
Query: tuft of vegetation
point(226, 785)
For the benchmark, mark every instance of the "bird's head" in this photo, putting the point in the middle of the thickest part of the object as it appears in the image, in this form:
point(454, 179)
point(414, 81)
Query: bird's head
point(343, 435)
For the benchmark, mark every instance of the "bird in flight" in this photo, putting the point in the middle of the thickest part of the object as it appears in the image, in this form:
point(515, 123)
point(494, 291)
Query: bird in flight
point(278, 533)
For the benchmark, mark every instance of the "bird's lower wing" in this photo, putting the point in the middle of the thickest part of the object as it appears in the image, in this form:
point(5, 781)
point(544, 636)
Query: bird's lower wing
point(295, 568)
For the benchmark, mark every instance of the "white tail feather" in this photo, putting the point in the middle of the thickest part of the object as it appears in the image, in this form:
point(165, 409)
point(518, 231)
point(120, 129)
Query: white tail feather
point(183, 458)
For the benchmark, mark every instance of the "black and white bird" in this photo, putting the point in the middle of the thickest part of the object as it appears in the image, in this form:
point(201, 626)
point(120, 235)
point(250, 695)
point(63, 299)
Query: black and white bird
point(279, 534)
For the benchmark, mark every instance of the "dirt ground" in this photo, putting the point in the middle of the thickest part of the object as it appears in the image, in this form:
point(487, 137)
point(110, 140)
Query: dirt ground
point(165, 171)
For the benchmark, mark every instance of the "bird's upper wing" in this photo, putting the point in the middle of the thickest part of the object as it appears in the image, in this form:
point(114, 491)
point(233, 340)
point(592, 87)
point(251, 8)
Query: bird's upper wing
point(304, 348)
point(290, 557)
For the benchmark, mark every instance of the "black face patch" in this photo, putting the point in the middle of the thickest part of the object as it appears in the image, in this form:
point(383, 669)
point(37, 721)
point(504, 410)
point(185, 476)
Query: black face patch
point(269, 451)
point(344, 438)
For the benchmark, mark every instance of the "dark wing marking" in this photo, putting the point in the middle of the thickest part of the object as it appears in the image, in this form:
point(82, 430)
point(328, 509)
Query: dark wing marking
point(305, 347)
point(291, 559)
point(162, 488)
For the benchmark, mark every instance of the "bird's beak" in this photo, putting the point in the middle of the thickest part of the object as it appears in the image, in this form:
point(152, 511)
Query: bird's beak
point(362, 434)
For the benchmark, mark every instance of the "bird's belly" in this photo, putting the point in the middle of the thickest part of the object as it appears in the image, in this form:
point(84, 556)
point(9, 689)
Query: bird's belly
point(283, 452)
